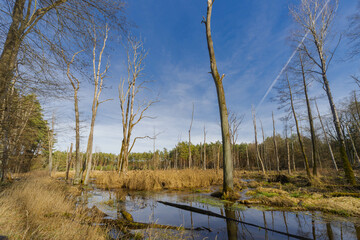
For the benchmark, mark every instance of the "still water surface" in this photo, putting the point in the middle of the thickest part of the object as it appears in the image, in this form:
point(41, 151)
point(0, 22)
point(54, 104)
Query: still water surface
point(145, 208)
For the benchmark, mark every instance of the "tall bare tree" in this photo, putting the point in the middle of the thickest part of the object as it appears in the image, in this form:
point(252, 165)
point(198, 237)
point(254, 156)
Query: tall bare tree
point(235, 121)
point(98, 81)
point(315, 18)
point(75, 84)
point(228, 183)
point(275, 145)
point(129, 88)
point(257, 153)
point(302, 147)
point(204, 158)
point(264, 155)
point(308, 106)
point(189, 147)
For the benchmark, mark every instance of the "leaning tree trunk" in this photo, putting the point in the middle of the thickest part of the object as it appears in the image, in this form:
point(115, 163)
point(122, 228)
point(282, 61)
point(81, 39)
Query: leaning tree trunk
point(311, 122)
point(306, 163)
point(349, 173)
point(228, 184)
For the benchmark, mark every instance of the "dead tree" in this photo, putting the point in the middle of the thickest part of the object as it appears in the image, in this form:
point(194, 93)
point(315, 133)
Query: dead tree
point(189, 147)
point(75, 83)
point(306, 16)
point(352, 144)
point(326, 138)
point(204, 158)
point(234, 123)
point(98, 76)
point(306, 163)
point(129, 88)
point(287, 145)
point(68, 162)
point(228, 183)
point(311, 122)
point(264, 155)
point(247, 158)
point(275, 145)
point(257, 153)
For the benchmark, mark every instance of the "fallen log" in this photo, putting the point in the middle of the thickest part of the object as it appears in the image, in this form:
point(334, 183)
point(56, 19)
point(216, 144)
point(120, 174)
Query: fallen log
point(209, 213)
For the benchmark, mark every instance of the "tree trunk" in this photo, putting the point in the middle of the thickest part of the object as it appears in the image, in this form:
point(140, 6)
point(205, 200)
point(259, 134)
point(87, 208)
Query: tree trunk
point(77, 176)
point(192, 118)
point(306, 163)
point(311, 123)
point(228, 164)
point(326, 138)
point(275, 145)
point(352, 144)
point(247, 158)
point(349, 173)
point(266, 163)
point(204, 149)
point(257, 153)
point(68, 162)
point(90, 143)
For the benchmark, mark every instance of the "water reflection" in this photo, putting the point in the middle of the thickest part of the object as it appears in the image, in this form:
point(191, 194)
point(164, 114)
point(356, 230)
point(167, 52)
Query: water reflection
point(144, 208)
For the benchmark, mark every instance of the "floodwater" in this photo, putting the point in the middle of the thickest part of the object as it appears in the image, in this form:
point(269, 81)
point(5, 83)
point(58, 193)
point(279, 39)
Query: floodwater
point(144, 207)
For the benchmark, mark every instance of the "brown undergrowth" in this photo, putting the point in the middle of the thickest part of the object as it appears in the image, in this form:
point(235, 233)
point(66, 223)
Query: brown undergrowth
point(38, 207)
point(147, 180)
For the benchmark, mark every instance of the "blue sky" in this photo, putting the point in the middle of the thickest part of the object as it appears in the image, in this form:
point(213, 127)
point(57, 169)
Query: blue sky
point(251, 41)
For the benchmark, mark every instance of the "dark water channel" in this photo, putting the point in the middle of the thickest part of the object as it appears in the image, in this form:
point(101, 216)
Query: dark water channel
point(145, 208)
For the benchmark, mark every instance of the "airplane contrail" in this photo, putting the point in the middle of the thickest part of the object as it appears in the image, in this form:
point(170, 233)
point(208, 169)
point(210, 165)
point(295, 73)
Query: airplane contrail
point(289, 60)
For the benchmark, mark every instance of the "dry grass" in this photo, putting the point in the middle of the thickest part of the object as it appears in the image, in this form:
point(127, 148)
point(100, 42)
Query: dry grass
point(347, 206)
point(42, 208)
point(156, 180)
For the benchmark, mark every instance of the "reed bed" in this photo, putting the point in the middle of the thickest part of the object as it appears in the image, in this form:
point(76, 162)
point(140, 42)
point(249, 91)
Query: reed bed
point(39, 207)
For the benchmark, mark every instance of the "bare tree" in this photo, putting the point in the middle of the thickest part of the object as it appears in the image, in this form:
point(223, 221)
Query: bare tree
point(75, 83)
point(257, 153)
point(311, 122)
point(286, 120)
point(131, 112)
point(306, 163)
point(192, 119)
point(98, 82)
point(204, 158)
point(306, 16)
point(275, 145)
point(234, 123)
point(352, 144)
point(228, 183)
point(264, 155)
point(68, 162)
point(326, 138)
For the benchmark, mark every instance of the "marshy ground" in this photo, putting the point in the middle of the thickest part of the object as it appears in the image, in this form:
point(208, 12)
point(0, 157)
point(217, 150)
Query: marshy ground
point(127, 206)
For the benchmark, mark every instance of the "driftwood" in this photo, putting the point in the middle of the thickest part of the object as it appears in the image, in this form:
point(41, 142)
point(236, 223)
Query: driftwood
point(209, 213)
